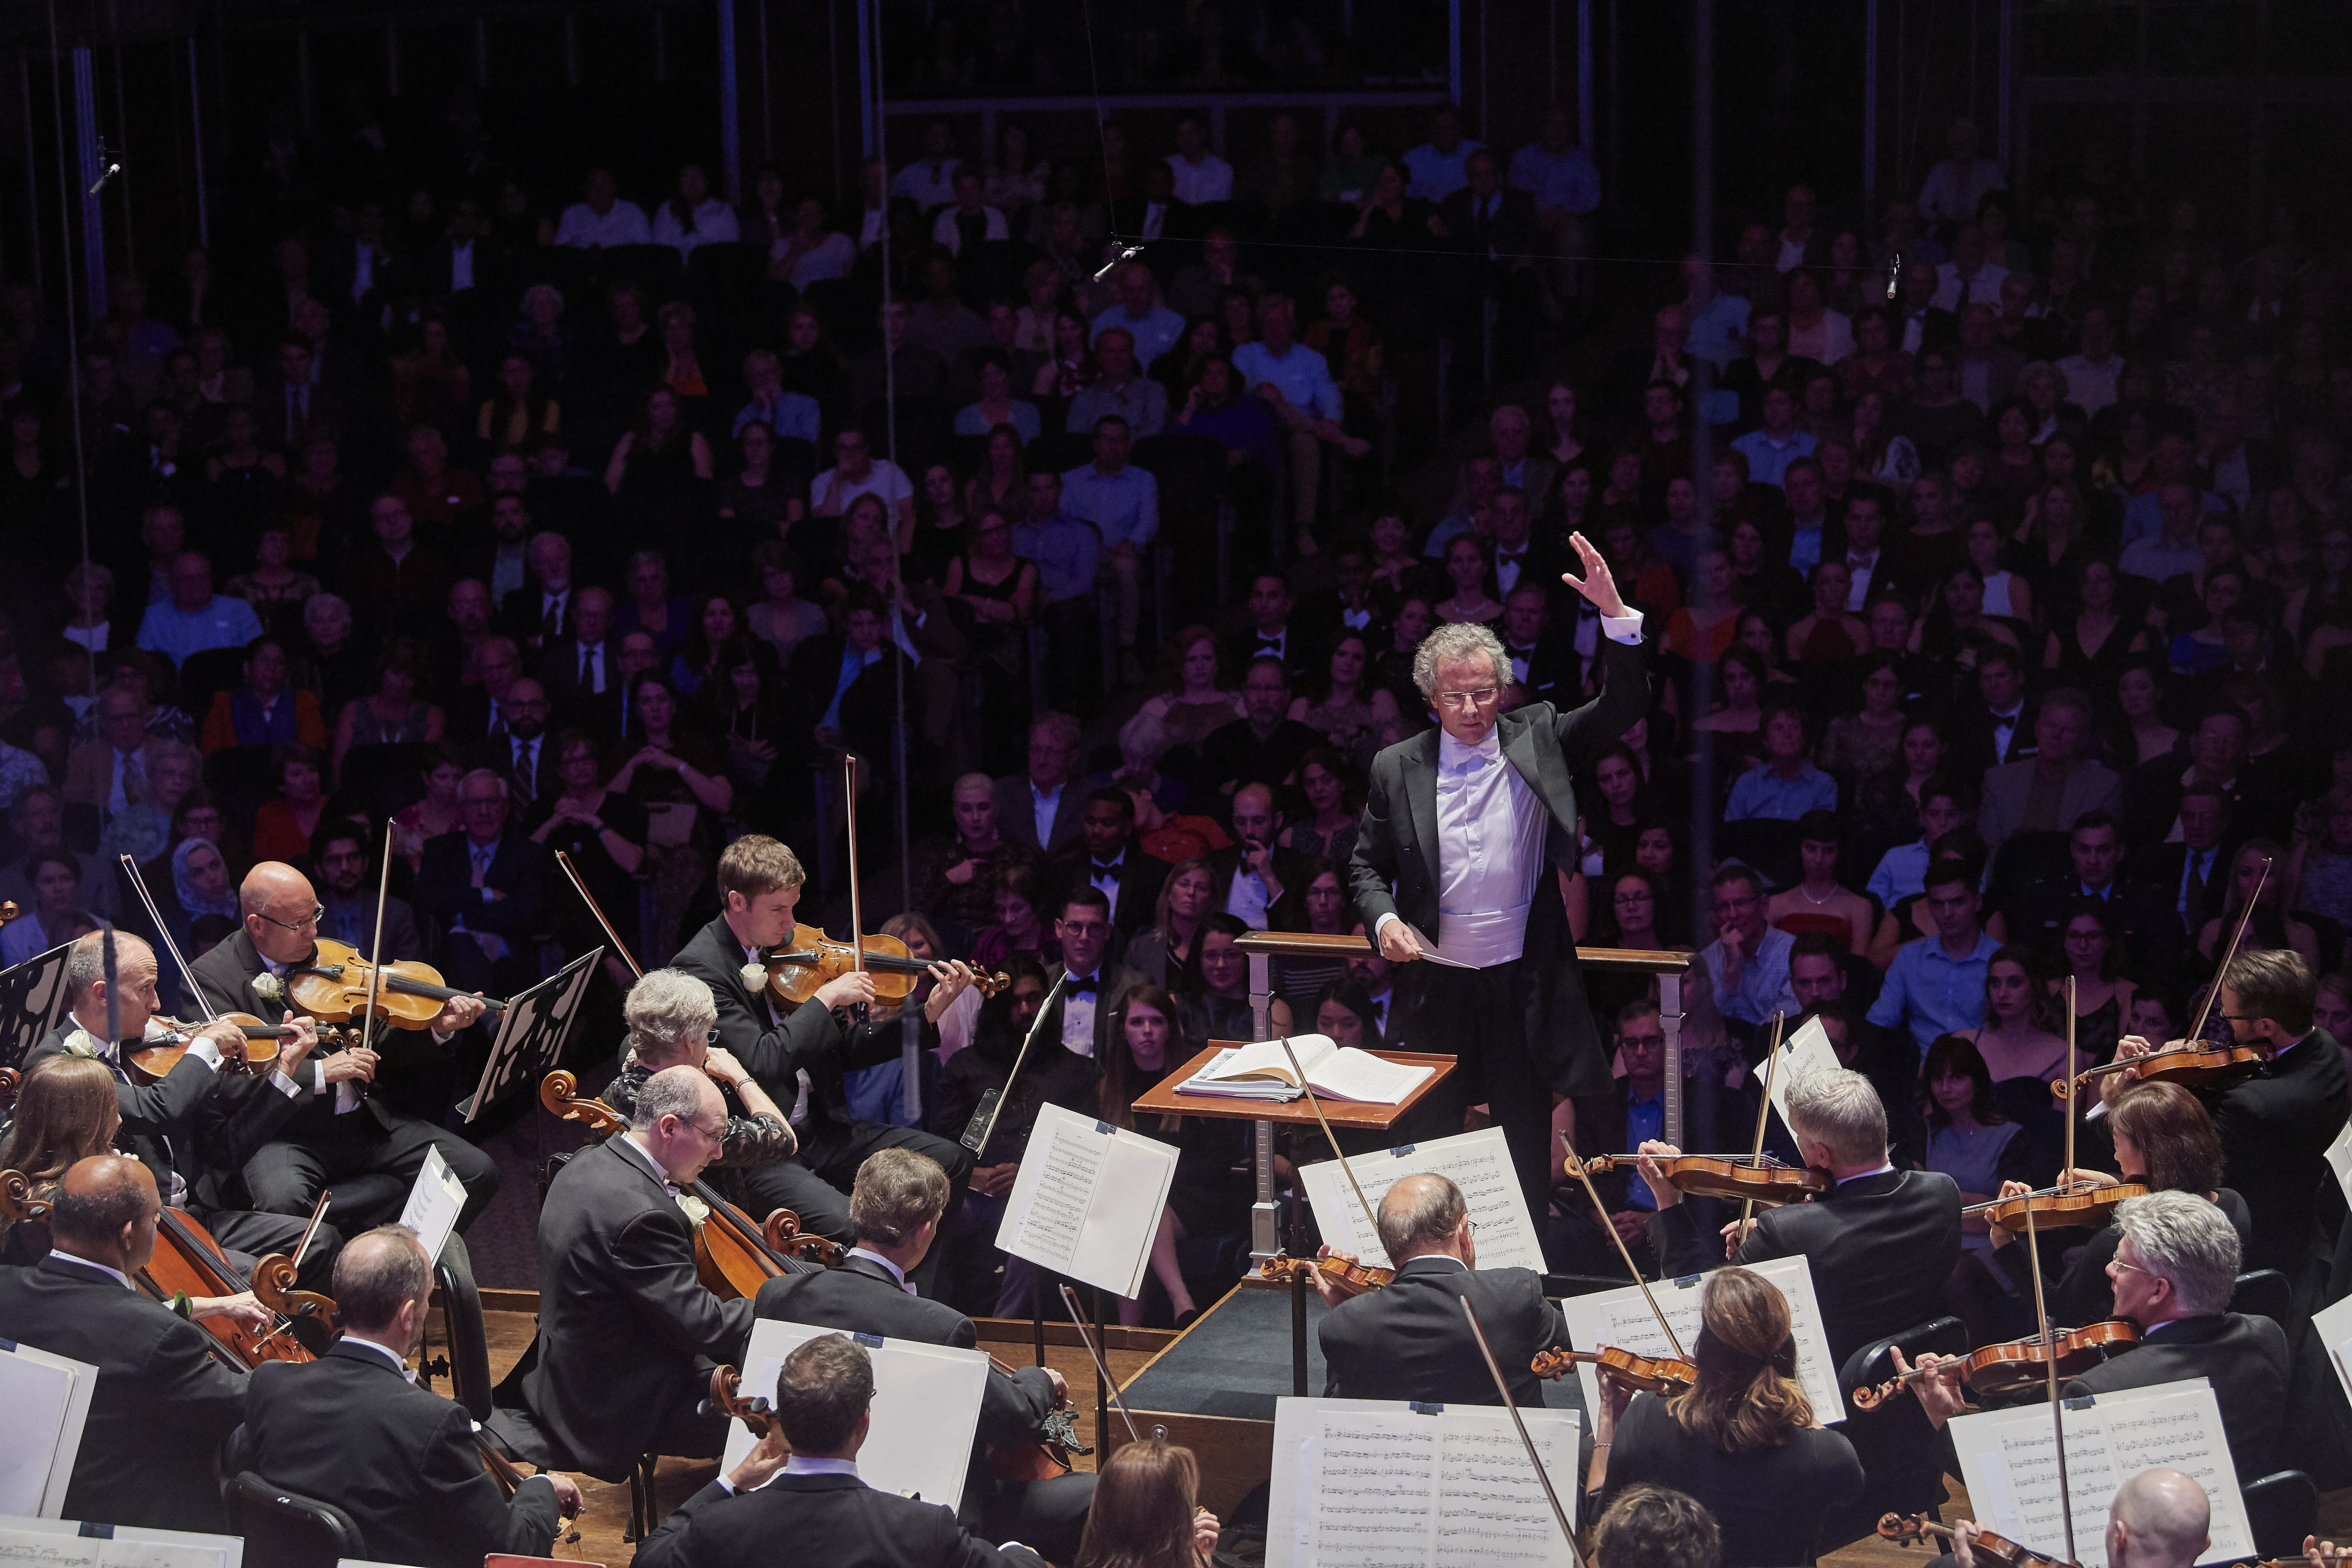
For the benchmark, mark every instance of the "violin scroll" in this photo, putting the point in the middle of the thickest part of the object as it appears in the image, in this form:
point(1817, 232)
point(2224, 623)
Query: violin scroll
point(10, 1082)
point(782, 1233)
point(17, 1200)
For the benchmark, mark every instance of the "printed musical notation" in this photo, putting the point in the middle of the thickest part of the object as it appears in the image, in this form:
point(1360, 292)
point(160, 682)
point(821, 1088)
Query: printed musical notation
point(1367, 1482)
point(1086, 1200)
point(55, 1543)
point(1056, 1214)
point(1478, 1162)
point(2009, 1462)
point(1623, 1317)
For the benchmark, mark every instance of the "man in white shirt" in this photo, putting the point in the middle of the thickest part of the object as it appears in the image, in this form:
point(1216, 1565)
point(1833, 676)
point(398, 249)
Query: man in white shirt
point(1039, 810)
point(930, 179)
point(600, 218)
point(1201, 175)
point(1154, 327)
point(1969, 278)
point(1439, 165)
point(1797, 239)
point(2091, 375)
point(1958, 184)
point(968, 216)
point(1296, 383)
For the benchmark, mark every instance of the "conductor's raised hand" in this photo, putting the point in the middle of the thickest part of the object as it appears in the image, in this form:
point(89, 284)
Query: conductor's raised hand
point(1598, 583)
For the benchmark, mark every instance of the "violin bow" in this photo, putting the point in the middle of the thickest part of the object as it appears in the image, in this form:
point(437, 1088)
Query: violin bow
point(318, 1212)
point(1478, 1333)
point(2049, 1365)
point(857, 908)
point(564, 860)
point(187, 975)
point(2067, 1179)
point(375, 955)
point(982, 1125)
point(1316, 1106)
point(1764, 1114)
point(2228, 955)
point(1568, 1155)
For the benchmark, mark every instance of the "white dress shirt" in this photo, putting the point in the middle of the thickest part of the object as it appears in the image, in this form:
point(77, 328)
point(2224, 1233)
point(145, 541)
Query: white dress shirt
point(896, 1272)
point(1210, 179)
point(1078, 1015)
point(801, 1101)
point(1043, 805)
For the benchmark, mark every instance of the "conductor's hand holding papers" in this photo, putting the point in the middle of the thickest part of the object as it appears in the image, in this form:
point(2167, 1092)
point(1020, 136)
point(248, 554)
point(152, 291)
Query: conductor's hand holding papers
point(1449, 864)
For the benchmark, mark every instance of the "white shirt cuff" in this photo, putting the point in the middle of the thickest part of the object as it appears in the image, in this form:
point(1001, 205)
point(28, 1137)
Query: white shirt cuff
point(724, 1485)
point(1622, 628)
point(1382, 924)
point(205, 1051)
point(284, 1085)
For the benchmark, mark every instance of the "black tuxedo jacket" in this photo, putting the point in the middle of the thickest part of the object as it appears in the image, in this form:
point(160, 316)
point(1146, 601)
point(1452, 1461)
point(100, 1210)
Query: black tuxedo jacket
point(1397, 846)
point(559, 674)
point(445, 880)
point(400, 1460)
point(774, 1046)
point(2141, 911)
point(1302, 650)
point(2275, 1127)
point(497, 752)
point(522, 618)
point(1973, 747)
point(1140, 879)
point(1116, 980)
point(1511, 231)
point(869, 707)
point(228, 971)
point(1017, 812)
point(2160, 867)
point(2245, 1360)
point(162, 1406)
point(1408, 1340)
point(623, 1318)
point(860, 1297)
point(1287, 912)
point(838, 1520)
point(1881, 1248)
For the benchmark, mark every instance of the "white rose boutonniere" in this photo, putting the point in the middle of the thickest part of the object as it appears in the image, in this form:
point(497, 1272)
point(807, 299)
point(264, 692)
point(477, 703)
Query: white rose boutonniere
point(754, 976)
point(269, 987)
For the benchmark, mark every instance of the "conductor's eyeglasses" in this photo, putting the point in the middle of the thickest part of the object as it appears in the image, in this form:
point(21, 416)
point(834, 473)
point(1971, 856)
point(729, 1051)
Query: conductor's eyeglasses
point(1458, 701)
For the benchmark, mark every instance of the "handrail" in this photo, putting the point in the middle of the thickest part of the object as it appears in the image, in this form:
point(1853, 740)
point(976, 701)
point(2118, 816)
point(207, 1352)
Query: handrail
point(1310, 944)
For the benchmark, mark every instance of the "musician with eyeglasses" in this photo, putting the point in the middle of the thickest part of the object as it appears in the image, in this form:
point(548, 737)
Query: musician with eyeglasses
point(1453, 846)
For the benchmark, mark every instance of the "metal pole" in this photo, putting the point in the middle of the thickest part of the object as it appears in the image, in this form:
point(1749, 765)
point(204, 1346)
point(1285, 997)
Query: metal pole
point(570, 50)
point(866, 146)
point(123, 143)
point(32, 180)
point(661, 44)
point(2008, 73)
point(1702, 432)
point(730, 123)
point(196, 123)
point(767, 92)
point(1453, 53)
point(392, 59)
point(1870, 106)
point(303, 77)
point(481, 52)
point(93, 164)
point(1583, 76)
point(1616, 92)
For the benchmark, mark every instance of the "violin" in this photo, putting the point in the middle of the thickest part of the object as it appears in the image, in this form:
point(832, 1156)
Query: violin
point(167, 1040)
point(336, 984)
point(2011, 1364)
point(1908, 1528)
point(1345, 1275)
point(2070, 1205)
point(2190, 1063)
point(1660, 1374)
point(1043, 1460)
point(273, 1286)
point(802, 966)
point(1739, 1177)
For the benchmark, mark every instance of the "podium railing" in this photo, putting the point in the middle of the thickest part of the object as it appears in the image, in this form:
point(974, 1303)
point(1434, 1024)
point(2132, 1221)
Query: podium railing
point(1263, 946)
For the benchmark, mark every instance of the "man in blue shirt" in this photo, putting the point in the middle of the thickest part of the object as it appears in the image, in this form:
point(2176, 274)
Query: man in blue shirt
point(1747, 963)
point(1122, 502)
point(1439, 166)
point(1296, 384)
point(1936, 984)
point(1152, 325)
point(195, 618)
point(1770, 450)
point(1068, 553)
point(1786, 786)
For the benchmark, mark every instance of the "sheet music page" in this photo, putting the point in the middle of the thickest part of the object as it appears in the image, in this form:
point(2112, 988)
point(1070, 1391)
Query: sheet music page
point(1623, 1319)
point(59, 1543)
point(2334, 1326)
point(1377, 1484)
point(2339, 1156)
point(2109, 1439)
point(1478, 1162)
point(434, 1203)
point(926, 1408)
point(1087, 1200)
point(1799, 1054)
point(48, 1398)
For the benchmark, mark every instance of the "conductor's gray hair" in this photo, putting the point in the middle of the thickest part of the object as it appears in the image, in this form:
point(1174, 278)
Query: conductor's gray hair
point(86, 960)
point(1837, 1107)
point(1458, 640)
point(1418, 1210)
point(673, 1091)
point(668, 1011)
point(2181, 1237)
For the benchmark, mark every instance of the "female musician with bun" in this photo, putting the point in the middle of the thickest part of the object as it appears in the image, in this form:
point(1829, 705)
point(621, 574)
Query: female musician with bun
point(1744, 1440)
point(1146, 1513)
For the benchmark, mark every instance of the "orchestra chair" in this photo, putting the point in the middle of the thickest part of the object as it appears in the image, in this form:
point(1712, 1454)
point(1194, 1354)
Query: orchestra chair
point(285, 1530)
point(2282, 1510)
point(461, 1323)
point(1874, 1364)
point(1900, 1470)
point(2265, 1293)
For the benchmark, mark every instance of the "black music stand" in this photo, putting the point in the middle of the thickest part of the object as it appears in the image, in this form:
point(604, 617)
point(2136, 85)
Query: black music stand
point(32, 999)
point(531, 1034)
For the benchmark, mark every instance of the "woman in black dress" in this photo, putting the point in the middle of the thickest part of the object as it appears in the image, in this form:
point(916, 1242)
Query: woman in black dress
point(1743, 1441)
point(1211, 1193)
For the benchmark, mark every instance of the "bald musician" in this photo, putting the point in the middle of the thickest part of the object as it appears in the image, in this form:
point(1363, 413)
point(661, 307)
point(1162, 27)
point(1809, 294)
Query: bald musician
point(162, 1406)
point(2157, 1519)
point(628, 1334)
point(341, 1131)
point(353, 1429)
point(1409, 1339)
point(895, 1207)
point(201, 1121)
point(798, 1491)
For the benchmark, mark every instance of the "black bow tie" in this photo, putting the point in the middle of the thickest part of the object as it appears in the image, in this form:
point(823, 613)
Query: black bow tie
point(1513, 557)
point(1108, 867)
point(1274, 643)
point(1082, 982)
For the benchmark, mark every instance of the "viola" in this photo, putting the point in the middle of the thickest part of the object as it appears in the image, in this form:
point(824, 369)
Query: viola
point(1740, 1177)
point(2190, 1063)
point(2070, 1205)
point(335, 986)
point(1662, 1375)
point(1908, 1528)
point(2011, 1364)
point(804, 965)
point(1344, 1275)
point(167, 1040)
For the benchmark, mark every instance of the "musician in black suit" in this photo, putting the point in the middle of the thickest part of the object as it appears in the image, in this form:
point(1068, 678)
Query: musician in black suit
point(350, 1430)
point(1095, 986)
point(1514, 1012)
point(895, 1207)
point(2175, 1270)
point(1109, 860)
point(800, 1055)
point(337, 1131)
point(1409, 1339)
point(2276, 1124)
point(813, 1502)
point(204, 1120)
point(627, 1334)
point(162, 1406)
point(484, 884)
point(1273, 632)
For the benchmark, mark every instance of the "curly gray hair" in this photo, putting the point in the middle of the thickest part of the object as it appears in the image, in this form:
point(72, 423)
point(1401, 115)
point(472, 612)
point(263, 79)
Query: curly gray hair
point(1458, 640)
point(668, 1011)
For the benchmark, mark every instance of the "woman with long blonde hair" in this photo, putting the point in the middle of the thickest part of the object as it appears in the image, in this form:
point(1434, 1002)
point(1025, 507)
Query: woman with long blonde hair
point(1146, 1511)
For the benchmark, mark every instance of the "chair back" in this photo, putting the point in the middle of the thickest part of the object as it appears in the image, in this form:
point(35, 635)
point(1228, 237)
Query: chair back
point(287, 1529)
point(2282, 1509)
point(461, 1319)
point(2264, 1293)
point(1874, 1364)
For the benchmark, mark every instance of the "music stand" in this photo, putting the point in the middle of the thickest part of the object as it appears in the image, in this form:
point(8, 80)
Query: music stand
point(32, 999)
point(531, 1034)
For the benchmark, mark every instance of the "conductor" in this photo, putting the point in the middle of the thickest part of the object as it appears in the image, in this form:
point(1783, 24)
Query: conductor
point(1456, 820)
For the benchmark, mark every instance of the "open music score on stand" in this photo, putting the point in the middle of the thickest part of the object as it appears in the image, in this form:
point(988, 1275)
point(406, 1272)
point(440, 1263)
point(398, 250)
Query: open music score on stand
point(2009, 1464)
point(1368, 1483)
point(68, 1543)
point(1623, 1317)
point(1086, 1200)
point(1478, 1162)
point(47, 1400)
